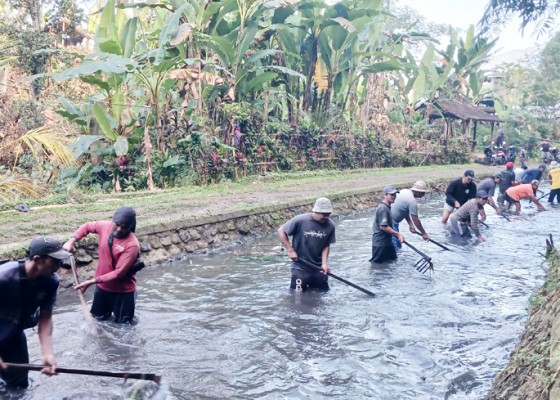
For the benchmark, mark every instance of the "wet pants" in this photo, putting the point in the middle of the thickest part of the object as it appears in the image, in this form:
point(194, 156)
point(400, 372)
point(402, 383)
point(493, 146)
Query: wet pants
point(14, 350)
point(120, 304)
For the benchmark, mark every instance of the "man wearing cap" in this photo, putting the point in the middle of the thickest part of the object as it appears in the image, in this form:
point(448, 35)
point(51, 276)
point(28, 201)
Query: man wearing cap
point(533, 173)
point(507, 181)
point(27, 297)
point(515, 194)
point(406, 207)
point(554, 175)
point(312, 235)
point(382, 248)
point(119, 249)
point(458, 193)
point(467, 215)
point(489, 186)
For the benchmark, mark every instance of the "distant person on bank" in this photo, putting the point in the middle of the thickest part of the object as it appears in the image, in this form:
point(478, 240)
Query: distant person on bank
point(458, 193)
point(488, 185)
point(406, 207)
point(312, 236)
point(467, 216)
point(515, 194)
point(115, 291)
point(554, 175)
point(533, 173)
point(27, 296)
point(382, 248)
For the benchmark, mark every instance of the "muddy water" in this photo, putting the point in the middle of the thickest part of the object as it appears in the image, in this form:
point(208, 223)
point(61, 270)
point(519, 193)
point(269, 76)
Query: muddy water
point(225, 326)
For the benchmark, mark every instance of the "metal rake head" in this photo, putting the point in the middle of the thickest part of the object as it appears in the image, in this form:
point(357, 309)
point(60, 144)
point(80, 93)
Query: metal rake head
point(423, 265)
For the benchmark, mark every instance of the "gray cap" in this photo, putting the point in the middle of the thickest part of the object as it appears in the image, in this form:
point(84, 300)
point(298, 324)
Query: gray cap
point(535, 182)
point(322, 205)
point(45, 246)
point(390, 190)
point(482, 194)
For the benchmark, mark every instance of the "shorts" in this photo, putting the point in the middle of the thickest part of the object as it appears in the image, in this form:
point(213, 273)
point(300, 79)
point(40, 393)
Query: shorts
point(309, 280)
point(14, 350)
point(381, 254)
point(120, 304)
point(545, 154)
point(510, 200)
point(449, 208)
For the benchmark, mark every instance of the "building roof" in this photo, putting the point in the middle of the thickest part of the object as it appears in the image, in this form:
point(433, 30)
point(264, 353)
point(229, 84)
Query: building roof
point(458, 109)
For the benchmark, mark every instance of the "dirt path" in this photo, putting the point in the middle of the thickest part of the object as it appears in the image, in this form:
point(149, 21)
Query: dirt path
point(16, 229)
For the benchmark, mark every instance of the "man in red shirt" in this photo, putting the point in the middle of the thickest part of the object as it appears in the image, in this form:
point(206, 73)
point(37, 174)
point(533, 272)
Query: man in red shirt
point(119, 249)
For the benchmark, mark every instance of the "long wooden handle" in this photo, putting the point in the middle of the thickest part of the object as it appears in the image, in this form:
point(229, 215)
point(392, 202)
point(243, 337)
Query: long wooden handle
point(115, 374)
point(436, 243)
point(88, 316)
point(418, 251)
point(306, 263)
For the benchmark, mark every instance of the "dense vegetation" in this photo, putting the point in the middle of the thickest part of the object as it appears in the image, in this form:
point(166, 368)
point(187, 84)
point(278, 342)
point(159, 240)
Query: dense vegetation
point(199, 90)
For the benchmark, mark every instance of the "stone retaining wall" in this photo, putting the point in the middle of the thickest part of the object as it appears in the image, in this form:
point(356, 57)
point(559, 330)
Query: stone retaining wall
point(198, 235)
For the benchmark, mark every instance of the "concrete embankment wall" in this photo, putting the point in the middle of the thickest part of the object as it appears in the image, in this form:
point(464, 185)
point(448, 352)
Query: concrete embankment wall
point(198, 235)
point(534, 367)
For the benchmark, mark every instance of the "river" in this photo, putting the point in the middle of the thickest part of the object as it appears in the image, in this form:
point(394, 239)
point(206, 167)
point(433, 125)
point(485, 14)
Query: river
point(224, 325)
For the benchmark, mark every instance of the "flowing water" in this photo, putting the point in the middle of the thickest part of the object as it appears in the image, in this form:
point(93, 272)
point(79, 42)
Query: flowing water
point(224, 326)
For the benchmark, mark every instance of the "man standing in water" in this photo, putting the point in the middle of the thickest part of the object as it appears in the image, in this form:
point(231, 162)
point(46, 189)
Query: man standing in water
point(382, 247)
point(507, 181)
point(489, 186)
point(115, 278)
point(467, 215)
point(406, 207)
point(312, 235)
point(27, 296)
point(458, 193)
point(515, 194)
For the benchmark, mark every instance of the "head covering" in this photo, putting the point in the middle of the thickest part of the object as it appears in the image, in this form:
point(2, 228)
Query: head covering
point(45, 246)
point(498, 175)
point(125, 216)
point(390, 190)
point(469, 173)
point(322, 205)
point(482, 194)
point(542, 165)
point(554, 164)
point(535, 182)
point(420, 186)
point(509, 165)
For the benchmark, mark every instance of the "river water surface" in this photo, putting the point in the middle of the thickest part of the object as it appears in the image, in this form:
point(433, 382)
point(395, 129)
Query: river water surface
point(224, 325)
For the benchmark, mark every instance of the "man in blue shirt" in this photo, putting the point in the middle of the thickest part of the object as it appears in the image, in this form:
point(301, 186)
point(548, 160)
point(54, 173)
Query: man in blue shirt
point(533, 173)
point(381, 247)
point(27, 296)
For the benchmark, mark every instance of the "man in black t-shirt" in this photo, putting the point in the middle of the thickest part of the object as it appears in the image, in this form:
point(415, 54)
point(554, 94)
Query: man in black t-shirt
point(312, 235)
point(458, 193)
point(507, 181)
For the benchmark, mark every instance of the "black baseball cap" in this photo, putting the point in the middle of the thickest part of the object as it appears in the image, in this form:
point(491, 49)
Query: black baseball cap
point(469, 173)
point(45, 246)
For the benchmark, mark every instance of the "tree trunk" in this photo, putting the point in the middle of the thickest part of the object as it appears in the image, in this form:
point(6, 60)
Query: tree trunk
point(310, 73)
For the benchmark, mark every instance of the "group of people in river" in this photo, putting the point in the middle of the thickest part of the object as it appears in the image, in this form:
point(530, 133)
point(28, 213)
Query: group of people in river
point(28, 289)
point(313, 233)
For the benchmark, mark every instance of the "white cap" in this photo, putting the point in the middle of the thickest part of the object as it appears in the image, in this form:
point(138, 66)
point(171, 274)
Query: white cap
point(322, 205)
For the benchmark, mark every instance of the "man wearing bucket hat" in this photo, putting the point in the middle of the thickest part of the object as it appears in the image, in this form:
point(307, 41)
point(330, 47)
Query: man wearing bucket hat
point(554, 176)
point(458, 193)
point(406, 207)
point(382, 248)
point(312, 235)
point(27, 297)
point(115, 281)
point(467, 215)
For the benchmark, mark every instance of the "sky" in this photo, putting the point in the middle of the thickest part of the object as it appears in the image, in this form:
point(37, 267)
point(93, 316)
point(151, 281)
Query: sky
point(462, 13)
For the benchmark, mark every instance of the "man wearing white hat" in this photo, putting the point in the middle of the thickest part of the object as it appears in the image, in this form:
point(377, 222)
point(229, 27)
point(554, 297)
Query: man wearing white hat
point(554, 175)
point(312, 235)
point(406, 207)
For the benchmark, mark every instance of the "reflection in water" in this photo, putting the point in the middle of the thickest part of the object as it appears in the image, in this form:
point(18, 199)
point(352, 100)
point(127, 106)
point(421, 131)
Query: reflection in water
point(226, 326)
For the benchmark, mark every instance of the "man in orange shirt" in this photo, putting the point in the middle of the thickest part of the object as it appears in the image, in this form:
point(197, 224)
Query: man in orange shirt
point(515, 193)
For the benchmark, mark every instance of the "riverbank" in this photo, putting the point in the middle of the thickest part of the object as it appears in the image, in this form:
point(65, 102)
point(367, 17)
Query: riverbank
point(534, 368)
